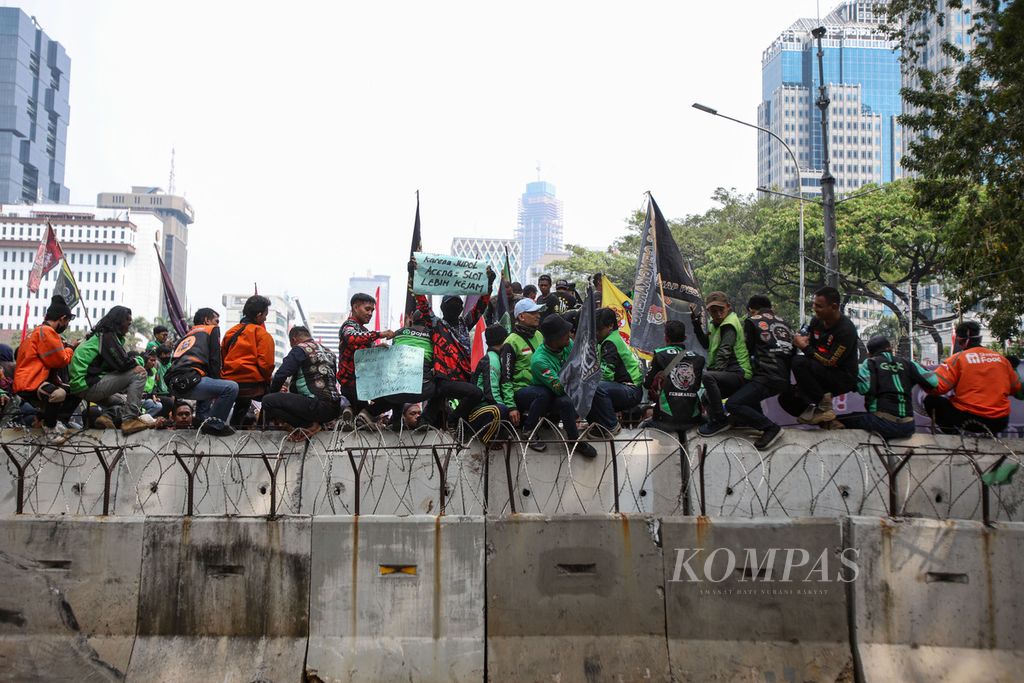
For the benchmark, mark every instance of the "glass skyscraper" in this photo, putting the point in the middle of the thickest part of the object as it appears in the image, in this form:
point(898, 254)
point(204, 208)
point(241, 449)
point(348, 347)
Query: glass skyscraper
point(862, 80)
point(33, 112)
point(540, 224)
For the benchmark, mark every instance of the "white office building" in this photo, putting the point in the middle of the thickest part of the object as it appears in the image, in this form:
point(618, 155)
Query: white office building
point(112, 258)
point(325, 326)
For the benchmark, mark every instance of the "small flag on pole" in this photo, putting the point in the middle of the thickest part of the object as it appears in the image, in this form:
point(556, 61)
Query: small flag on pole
point(478, 348)
point(66, 286)
point(48, 255)
point(417, 245)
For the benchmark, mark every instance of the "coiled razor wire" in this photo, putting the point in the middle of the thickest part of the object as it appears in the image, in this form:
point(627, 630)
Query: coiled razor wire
point(400, 473)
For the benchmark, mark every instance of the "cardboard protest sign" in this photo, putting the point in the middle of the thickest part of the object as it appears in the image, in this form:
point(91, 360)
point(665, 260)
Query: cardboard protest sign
point(388, 370)
point(443, 274)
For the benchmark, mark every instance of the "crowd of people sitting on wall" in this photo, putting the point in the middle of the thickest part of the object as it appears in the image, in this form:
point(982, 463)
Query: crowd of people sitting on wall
point(219, 383)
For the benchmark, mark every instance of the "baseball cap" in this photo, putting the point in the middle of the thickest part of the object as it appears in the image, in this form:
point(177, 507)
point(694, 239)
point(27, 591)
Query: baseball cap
point(562, 284)
point(716, 299)
point(527, 306)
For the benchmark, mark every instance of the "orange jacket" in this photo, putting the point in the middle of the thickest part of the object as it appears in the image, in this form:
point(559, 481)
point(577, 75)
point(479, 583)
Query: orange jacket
point(981, 380)
point(42, 352)
point(248, 353)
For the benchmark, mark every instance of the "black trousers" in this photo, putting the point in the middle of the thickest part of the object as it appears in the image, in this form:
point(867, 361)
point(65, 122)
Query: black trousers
point(49, 413)
point(813, 381)
point(468, 395)
point(745, 406)
point(949, 419)
point(719, 384)
point(298, 410)
point(398, 401)
point(376, 408)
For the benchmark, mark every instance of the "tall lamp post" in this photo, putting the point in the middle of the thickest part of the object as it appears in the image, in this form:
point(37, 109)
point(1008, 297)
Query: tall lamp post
point(800, 189)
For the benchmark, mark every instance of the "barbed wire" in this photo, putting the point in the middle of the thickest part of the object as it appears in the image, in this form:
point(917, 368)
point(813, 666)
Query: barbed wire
point(427, 471)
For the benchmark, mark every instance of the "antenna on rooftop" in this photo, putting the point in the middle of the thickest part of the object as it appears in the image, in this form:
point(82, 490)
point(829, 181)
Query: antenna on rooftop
point(538, 171)
point(170, 180)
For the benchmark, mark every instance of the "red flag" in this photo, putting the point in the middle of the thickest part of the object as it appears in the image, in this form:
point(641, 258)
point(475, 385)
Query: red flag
point(48, 255)
point(376, 315)
point(24, 323)
point(479, 348)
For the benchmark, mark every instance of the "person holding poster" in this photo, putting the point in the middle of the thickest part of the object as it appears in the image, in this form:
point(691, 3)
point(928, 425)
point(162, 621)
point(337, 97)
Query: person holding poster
point(353, 336)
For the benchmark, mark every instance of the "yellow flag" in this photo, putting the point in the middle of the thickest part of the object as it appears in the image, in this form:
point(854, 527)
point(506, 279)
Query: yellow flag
point(613, 298)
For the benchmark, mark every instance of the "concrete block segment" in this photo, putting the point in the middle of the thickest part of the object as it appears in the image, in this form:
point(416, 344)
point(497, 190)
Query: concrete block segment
point(70, 597)
point(223, 599)
point(397, 599)
point(575, 598)
point(755, 600)
point(938, 600)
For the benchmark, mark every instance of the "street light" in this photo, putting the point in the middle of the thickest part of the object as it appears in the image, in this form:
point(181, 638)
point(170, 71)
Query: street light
point(800, 188)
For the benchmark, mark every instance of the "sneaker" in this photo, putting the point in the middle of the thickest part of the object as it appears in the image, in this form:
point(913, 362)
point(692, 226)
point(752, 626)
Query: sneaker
point(536, 446)
point(825, 403)
point(617, 429)
point(103, 422)
point(364, 420)
point(215, 427)
point(148, 419)
point(57, 435)
point(768, 437)
point(585, 449)
point(132, 425)
point(806, 416)
point(713, 427)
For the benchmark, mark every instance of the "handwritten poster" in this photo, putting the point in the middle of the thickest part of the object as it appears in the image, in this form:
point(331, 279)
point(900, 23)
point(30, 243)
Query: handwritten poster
point(443, 274)
point(388, 370)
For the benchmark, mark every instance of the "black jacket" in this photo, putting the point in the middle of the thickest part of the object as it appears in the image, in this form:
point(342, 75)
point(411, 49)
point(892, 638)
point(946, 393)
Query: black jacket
point(770, 345)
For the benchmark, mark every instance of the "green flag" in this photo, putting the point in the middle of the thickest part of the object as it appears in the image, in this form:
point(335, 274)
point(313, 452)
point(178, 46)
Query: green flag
point(66, 285)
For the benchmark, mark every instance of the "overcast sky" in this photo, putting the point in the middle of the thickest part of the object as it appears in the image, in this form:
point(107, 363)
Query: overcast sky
point(303, 129)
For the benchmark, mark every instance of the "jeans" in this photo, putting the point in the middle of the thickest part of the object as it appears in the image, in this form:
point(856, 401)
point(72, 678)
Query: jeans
point(298, 410)
point(602, 408)
point(215, 396)
point(744, 406)
point(719, 384)
point(118, 389)
point(949, 419)
point(623, 396)
point(869, 422)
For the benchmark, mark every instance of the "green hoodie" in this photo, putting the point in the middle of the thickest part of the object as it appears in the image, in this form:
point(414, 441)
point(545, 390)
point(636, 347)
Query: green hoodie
point(546, 364)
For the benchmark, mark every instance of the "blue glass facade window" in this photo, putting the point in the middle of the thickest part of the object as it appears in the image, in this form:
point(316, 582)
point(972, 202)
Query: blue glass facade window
point(34, 112)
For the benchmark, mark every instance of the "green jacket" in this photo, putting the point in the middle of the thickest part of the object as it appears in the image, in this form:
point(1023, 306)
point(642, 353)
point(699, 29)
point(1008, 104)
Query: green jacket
point(546, 364)
point(618, 364)
point(734, 357)
point(488, 379)
point(97, 356)
point(516, 357)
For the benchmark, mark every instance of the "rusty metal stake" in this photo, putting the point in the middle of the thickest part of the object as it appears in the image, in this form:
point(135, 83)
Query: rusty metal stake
point(191, 474)
point(107, 469)
point(508, 476)
point(615, 473)
point(684, 468)
point(443, 468)
point(357, 471)
point(703, 500)
point(272, 471)
point(19, 505)
point(892, 472)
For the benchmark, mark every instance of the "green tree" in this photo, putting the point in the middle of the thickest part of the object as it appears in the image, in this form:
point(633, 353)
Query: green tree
point(140, 329)
point(888, 247)
point(966, 127)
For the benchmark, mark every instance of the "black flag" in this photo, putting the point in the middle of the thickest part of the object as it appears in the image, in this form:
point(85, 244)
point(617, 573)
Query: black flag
point(665, 286)
point(582, 370)
point(417, 245)
point(66, 286)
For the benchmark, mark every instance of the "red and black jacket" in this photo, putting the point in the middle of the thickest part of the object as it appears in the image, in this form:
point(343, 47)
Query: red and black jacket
point(451, 353)
point(352, 337)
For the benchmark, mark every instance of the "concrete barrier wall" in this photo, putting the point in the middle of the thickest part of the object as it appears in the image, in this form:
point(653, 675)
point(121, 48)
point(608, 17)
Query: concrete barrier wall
point(938, 601)
point(397, 599)
point(69, 597)
point(223, 599)
point(569, 598)
point(575, 599)
point(755, 600)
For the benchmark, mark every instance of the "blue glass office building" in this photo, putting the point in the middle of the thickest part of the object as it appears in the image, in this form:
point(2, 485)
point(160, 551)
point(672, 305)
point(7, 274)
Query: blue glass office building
point(33, 112)
point(862, 78)
point(540, 224)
